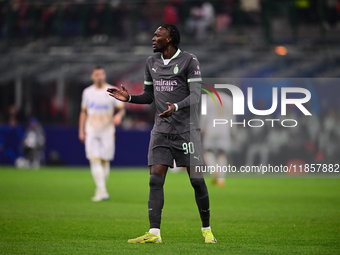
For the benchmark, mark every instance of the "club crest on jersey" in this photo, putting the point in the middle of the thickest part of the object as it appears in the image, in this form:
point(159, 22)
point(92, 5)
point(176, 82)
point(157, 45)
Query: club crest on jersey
point(176, 69)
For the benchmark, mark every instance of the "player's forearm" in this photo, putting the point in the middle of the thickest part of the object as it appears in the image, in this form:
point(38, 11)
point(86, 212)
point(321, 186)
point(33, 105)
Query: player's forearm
point(118, 117)
point(190, 100)
point(120, 113)
point(145, 98)
point(82, 119)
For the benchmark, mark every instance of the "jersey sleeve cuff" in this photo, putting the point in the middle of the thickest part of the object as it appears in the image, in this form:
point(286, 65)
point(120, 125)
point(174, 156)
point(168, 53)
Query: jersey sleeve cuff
point(120, 106)
point(148, 82)
point(176, 106)
point(194, 80)
point(129, 98)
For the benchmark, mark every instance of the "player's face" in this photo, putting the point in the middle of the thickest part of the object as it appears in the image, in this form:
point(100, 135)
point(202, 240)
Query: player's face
point(98, 77)
point(161, 39)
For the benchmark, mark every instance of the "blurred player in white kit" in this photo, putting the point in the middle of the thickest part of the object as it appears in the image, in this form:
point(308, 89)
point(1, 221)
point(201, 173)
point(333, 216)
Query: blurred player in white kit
point(98, 117)
point(217, 140)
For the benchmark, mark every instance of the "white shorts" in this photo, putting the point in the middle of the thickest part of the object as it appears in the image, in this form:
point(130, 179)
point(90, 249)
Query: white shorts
point(100, 147)
point(216, 143)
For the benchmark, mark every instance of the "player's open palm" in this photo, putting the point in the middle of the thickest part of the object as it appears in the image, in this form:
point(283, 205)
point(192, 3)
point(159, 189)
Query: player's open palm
point(120, 94)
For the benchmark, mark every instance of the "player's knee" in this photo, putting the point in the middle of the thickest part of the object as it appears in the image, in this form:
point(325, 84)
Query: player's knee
point(156, 180)
point(198, 183)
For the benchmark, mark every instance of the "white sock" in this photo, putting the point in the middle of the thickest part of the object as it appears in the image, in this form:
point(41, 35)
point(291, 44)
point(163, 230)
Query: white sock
point(98, 175)
point(206, 228)
point(155, 231)
point(106, 167)
point(222, 160)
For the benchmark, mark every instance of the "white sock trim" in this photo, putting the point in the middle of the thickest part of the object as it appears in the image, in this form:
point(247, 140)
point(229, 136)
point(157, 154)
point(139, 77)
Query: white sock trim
point(155, 231)
point(206, 228)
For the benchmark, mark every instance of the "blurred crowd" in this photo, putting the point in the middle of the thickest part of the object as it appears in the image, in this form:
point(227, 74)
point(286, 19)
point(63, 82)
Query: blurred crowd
point(22, 19)
point(315, 139)
point(117, 18)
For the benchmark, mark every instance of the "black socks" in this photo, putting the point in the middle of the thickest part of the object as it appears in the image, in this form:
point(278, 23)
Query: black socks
point(156, 200)
point(202, 200)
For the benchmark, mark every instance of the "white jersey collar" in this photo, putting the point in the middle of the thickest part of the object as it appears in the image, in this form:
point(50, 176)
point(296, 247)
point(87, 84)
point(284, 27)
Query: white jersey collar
point(174, 56)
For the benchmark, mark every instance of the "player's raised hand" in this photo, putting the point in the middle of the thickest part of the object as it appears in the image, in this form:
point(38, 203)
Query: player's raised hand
point(120, 94)
point(169, 112)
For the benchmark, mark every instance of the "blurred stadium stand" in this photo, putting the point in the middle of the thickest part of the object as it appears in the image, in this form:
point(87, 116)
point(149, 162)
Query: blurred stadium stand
point(48, 51)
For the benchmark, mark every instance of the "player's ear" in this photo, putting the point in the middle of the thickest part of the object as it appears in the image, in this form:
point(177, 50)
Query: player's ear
point(169, 39)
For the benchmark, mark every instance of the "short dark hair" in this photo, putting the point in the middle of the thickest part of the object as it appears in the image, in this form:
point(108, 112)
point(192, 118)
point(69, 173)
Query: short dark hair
point(97, 68)
point(174, 34)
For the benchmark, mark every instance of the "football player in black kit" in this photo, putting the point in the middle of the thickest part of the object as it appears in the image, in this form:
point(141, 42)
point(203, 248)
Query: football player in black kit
point(172, 80)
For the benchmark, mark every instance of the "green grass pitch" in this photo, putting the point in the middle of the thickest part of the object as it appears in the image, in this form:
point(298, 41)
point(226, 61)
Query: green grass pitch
point(50, 212)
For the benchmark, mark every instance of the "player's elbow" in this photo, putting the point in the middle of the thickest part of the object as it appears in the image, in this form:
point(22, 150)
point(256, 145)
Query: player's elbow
point(195, 99)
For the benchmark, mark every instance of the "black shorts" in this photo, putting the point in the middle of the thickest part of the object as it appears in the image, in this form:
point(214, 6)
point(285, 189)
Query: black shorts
point(185, 149)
